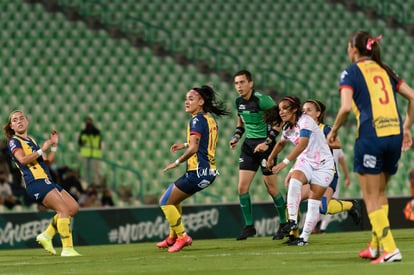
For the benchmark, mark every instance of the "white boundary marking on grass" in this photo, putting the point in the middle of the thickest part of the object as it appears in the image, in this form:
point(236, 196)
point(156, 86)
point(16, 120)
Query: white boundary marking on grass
point(271, 253)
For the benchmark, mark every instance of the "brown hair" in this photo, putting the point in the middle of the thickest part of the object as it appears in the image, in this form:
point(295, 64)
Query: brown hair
point(294, 103)
point(320, 107)
point(8, 131)
point(271, 116)
point(369, 46)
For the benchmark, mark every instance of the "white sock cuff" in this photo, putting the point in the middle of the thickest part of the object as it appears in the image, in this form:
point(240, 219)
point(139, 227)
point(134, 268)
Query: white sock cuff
point(313, 202)
point(294, 183)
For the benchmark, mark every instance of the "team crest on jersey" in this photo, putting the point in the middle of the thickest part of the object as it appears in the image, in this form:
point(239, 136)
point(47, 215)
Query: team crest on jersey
point(343, 75)
point(12, 145)
point(242, 107)
point(194, 122)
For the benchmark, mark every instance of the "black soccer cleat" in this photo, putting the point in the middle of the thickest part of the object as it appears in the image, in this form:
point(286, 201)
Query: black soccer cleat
point(354, 212)
point(285, 230)
point(248, 231)
point(280, 234)
point(291, 239)
point(291, 226)
point(298, 242)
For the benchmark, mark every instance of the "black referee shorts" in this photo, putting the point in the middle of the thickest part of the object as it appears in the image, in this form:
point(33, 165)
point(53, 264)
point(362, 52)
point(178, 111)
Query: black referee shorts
point(251, 161)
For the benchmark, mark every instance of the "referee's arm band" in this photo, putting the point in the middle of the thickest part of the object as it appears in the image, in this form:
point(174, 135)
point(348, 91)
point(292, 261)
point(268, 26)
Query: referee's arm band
point(239, 131)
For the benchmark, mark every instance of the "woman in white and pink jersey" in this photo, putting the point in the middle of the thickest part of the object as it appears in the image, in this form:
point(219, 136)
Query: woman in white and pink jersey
point(314, 164)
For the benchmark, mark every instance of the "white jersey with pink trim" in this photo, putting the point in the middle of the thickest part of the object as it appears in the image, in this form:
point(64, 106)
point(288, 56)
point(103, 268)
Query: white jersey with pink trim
point(317, 153)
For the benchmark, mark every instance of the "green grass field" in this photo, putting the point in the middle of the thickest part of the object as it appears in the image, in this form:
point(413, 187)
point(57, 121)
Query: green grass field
point(333, 253)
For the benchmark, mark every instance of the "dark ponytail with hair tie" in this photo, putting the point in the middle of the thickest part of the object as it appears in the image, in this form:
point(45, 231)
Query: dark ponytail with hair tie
point(211, 105)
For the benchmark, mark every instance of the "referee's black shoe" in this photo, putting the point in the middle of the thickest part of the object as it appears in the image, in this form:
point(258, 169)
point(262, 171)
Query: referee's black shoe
point(248, 231)
point(280, 234)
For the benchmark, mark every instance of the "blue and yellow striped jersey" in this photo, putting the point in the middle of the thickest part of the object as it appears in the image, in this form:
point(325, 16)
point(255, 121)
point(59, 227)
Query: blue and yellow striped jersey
point(206, 128)
point(325, 128)
point(32, 171)
point(374, 99)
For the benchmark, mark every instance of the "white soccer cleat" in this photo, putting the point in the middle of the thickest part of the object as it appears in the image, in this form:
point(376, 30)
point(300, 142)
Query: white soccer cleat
point(69, 252)
point(387, 257)
point(46, 243)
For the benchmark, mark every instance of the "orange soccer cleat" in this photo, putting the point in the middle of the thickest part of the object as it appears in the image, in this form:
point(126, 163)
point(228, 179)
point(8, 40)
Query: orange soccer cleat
point(180, 243)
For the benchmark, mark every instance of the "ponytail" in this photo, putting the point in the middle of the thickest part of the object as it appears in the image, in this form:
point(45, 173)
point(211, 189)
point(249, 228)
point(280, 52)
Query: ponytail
point(211, 105)
point(369, 46)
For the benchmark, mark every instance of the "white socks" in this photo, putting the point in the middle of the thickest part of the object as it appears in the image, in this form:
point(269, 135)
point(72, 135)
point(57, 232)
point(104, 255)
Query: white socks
point(312, 218)
point(293, 199)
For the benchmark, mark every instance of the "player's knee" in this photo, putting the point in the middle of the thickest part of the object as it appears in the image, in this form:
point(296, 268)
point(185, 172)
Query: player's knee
point(73, 210)
point(166, 195)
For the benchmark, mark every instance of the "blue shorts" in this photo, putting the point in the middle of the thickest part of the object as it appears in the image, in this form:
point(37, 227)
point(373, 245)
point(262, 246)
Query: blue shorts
point(38, 189)
point(376, 155)
point(192, 181)
point(334, 182)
